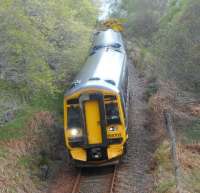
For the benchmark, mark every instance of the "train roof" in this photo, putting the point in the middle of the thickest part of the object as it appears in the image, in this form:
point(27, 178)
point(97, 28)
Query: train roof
point(108, 37)
point(104, 67)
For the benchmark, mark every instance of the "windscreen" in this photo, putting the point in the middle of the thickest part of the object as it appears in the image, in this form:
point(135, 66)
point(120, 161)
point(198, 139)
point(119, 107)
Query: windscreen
point(74, 117)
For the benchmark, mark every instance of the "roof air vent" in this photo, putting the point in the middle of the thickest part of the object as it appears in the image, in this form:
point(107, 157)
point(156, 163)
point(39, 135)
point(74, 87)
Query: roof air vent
point(95, 48)
point(92, 53)
point(97, 33)
point(94, 78)
point(110, 82)
point(116, 45)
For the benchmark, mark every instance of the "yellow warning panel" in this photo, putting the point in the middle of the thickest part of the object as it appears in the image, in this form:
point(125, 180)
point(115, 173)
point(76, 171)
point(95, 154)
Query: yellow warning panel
point(114, 151)
point(92, 114)
point(79, 154)
point(114, 24)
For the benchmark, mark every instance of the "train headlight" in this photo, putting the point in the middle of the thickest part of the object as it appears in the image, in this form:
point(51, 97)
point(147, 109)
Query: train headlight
point(112, 129)
point(75, 132)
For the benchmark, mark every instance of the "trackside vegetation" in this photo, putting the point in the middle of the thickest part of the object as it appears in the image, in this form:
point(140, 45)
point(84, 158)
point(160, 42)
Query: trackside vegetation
point(163, 42)
point(42, 45)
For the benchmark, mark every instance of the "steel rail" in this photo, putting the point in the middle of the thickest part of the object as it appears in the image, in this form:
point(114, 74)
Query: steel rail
point(76, 185)
point(112, 185)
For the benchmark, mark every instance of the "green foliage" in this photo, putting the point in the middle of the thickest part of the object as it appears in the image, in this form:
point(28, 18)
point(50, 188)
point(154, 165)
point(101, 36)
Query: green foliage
point(193, 180)
point(42, 45)
point(15, 129)
point(170, 34)
point(25, 161)
point(192, 131)
point(3, 152)
point(143, 17)
point(177, 47)
point(164, 172)
point(40, 42)
point(173, 12)
point(166, 186)
point(163, 156)
point(151, 89)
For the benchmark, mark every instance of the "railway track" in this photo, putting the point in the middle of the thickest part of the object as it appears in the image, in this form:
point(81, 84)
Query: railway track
point(95, 180)
point(76, 185)
point(114, 180)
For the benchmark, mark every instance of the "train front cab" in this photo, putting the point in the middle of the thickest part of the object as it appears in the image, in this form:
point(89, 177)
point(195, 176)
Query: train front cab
point(95, 127)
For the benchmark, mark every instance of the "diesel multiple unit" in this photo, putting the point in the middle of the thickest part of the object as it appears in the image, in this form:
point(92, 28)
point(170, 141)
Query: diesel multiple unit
point(95, 106)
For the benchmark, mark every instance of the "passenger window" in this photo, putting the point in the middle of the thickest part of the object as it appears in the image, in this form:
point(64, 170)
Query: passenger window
point(74, 117)
point(112, 113)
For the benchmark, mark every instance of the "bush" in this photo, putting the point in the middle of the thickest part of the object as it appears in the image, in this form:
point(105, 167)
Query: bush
point(43, 44)
point(176, 48)
point(40, 42)
point(170, 34)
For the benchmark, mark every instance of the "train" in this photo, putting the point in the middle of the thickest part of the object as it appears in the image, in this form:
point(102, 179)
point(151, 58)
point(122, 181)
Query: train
point(96, 104)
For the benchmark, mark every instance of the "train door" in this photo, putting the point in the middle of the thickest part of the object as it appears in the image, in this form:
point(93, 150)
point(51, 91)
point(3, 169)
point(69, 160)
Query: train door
point(93, 122)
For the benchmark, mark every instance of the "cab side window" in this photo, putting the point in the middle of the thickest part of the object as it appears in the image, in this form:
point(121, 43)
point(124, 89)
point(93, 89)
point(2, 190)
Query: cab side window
point(112, 113)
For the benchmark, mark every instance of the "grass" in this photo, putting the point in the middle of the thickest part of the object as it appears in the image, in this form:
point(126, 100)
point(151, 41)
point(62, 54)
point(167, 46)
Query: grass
point(151, 88)
point(193, 180)
point(163, 155)
point(164, 172)
point(190, 170)
point(13, 130)
point(25, 161)
point(16, 129)
point(174, 12)
point(165, 186)
point(3, 152)
point(192, 132)
point(19, 163)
